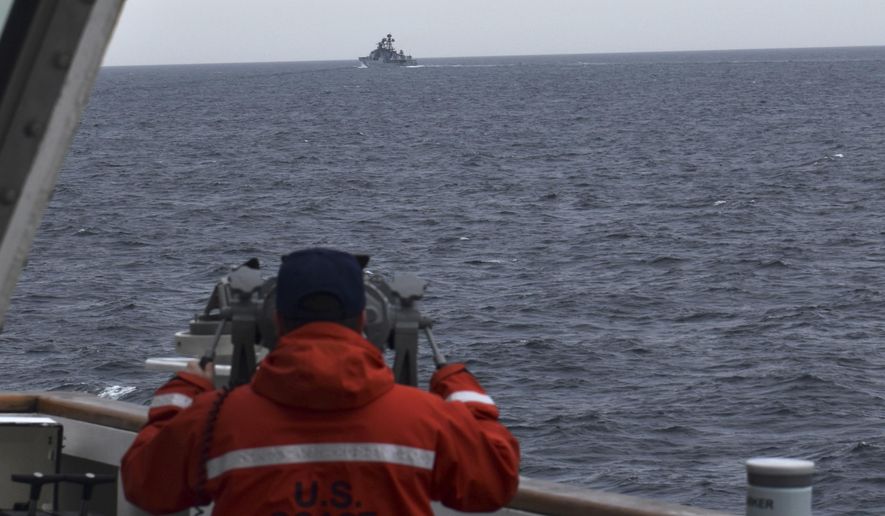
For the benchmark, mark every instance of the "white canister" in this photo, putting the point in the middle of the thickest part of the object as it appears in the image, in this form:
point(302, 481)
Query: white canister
point(779, 487)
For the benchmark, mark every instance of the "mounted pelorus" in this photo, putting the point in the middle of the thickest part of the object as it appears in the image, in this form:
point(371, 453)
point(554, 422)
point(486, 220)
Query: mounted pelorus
point(236, 328)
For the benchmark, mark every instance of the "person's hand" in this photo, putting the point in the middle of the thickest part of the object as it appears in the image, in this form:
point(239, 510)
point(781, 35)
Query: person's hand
point(208, 372)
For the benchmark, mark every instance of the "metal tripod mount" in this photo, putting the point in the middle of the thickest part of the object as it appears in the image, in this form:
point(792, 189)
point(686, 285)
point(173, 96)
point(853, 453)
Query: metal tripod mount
point(408, 289)
point(245, 285)
point(242, 336)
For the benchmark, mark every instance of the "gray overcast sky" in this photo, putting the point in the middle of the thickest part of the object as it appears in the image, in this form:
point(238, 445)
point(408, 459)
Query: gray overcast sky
point(223, 31)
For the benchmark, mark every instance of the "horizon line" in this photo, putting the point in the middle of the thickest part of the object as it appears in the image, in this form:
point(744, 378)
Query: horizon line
point(333, 60)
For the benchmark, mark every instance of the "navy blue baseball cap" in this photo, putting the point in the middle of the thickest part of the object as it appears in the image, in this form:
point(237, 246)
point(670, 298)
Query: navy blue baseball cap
point(320, 271)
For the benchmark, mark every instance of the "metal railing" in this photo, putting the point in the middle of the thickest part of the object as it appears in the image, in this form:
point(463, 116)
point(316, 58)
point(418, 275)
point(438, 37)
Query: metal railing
point(533, 497)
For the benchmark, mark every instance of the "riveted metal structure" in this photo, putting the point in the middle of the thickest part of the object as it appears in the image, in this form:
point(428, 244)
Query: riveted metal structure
point(50, 52)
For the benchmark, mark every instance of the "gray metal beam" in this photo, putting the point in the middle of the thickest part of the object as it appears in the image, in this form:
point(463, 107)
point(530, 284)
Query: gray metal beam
point(44, 95)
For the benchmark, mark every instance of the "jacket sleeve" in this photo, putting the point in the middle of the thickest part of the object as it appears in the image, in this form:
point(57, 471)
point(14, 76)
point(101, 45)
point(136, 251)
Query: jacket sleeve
point(161, 466)
point(477, 459)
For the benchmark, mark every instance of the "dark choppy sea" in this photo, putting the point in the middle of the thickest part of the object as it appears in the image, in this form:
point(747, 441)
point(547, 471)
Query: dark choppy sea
point(660, 265)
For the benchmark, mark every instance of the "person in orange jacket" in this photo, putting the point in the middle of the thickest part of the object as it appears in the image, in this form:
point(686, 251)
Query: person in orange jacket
point(322, 429)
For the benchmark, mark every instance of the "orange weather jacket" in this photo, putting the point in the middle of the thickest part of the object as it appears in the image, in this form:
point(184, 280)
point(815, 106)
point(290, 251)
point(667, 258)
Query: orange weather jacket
point(322, 429)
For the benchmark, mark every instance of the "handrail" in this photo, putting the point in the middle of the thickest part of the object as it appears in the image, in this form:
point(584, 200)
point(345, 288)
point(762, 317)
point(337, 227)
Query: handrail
point(77, 405)
point(543, 497)
point(534, 496)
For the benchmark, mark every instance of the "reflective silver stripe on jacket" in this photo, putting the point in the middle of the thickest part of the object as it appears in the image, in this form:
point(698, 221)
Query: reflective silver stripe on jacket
point(306, 453)
point(470, 396)
point(178, 400)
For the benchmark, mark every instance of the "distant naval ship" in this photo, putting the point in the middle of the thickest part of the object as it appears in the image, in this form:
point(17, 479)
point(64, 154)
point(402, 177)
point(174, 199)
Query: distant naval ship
point(384, 54)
